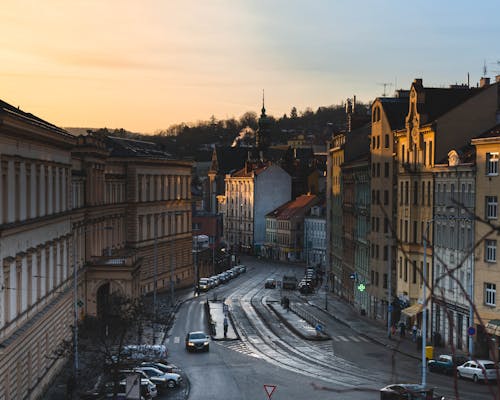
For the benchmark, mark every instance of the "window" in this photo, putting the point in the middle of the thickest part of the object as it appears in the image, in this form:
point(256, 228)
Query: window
point(490, 250)
point(386, 197)
point(490, 294)
point(386, 141)
point(414, 277)
point(386, 170)
point(491, 163)
point(415, 193)
point(491, 207)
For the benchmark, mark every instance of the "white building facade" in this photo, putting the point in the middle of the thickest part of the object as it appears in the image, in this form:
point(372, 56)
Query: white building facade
point(315, 237)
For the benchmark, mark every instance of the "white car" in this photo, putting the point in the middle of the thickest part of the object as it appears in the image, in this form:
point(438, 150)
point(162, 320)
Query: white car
point(478, 370)
point(160, 378)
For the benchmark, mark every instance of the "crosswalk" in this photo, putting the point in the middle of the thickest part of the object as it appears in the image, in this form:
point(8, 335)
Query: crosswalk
point(350, 338)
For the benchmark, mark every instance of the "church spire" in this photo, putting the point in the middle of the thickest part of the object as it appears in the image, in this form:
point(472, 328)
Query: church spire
point(263, 107)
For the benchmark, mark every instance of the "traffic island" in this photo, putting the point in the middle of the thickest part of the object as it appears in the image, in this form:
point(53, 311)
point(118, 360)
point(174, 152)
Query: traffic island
point(221, 324)
point(297, 324)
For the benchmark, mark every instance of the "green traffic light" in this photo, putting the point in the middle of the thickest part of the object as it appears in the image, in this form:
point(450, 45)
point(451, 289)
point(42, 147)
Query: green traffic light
point(361, 287)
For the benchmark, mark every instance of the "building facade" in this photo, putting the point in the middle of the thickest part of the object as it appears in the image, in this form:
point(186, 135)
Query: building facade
point(453, 255)
point(486, 274)
point(96, 212)
point(435, 123)
point(251, 193)
point(315, 237)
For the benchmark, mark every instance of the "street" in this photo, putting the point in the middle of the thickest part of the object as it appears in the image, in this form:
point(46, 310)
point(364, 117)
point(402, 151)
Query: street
point(348, 366)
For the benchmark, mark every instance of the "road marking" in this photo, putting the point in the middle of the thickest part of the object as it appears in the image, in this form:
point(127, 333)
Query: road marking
point(364, 339)
point(177, 339)
point(343, 338)
point(167, 340)
point(354, 338)
point(202, 301)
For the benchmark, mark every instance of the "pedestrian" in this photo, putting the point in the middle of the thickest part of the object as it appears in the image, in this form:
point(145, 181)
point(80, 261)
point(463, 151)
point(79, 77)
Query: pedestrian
point(226, 325)
point(414, 333)
point(393, 329)
point(402, 329)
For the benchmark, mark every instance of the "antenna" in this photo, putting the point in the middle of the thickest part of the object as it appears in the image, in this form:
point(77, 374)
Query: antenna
point(384, 84)
point(485, 70)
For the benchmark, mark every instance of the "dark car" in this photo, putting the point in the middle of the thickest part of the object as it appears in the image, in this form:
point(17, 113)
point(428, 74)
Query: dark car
point(270, 283)
point(446, 364)
point(197, 341)
point(408, 391)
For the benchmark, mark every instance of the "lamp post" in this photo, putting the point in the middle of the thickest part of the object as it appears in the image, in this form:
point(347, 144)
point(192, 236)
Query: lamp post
point(389, 289)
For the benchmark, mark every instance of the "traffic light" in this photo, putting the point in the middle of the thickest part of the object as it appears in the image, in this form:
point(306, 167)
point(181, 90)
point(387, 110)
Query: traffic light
point(361, 287)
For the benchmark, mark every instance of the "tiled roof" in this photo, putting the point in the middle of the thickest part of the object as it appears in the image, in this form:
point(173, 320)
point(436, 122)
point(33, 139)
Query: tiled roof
point(294, 207)
point(247, 172)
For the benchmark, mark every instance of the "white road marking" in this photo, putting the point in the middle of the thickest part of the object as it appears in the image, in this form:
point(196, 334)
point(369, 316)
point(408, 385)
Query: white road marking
point(177, 339)
point(343, 338)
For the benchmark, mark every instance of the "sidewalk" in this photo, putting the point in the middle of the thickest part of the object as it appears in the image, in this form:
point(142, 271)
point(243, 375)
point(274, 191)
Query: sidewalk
point(375, 330)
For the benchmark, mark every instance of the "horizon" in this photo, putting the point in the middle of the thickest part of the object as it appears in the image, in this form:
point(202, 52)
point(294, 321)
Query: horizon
point(145, 67)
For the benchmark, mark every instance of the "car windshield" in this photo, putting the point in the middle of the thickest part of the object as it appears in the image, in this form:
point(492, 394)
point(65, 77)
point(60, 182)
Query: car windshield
point(197, 336)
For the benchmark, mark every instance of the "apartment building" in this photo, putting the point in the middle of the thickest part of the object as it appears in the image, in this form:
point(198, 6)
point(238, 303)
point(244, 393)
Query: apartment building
point(285, 228)
point(438, 119)
point(453, 255)
point(486, 274)
point(250, 194)
point(388, 115)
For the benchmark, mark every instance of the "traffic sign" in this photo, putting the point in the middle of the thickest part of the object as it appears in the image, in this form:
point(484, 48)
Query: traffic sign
point(361, 287)
point(390, 308)
point(471, 331)
point(269, 390)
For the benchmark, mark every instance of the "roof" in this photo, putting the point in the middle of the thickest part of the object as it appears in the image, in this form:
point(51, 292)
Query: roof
point(16, 112)
point(294, 207)
point(490, 133)
point(395, 109)
point(121, 147)
point(250, 170)
point(228, 159)
point(437, 101)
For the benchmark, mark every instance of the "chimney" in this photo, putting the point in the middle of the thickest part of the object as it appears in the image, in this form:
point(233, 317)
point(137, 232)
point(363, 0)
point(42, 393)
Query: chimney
point(484, 82)
point(418, 81)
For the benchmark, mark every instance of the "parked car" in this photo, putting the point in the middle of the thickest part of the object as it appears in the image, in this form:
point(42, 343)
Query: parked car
point(165, 368)
point(242, 268)
point(306, 288)
point(270, 283)
point(478, 370)
point(161, 379)
point(197, 341)
point(408, 391)
point(446, 364)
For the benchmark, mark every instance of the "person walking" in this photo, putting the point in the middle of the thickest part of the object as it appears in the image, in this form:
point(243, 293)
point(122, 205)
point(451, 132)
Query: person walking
point(414, 332)
point(402, 329)
point(226, 325)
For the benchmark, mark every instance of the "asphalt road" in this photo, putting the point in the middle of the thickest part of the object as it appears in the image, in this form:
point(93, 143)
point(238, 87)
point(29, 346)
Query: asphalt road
point(349, 366)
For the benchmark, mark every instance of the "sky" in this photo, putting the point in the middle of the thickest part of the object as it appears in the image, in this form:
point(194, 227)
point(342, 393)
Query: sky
point(145, 65)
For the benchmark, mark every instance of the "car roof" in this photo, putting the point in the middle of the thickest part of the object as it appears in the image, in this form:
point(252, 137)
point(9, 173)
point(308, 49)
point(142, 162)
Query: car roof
point(193, 332)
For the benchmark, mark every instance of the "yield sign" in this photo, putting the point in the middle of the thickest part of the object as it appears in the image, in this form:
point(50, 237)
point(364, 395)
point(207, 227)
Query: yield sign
point(269, 390)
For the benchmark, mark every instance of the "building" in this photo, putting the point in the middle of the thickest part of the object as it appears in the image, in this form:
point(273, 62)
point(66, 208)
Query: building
point(100, 213)
point(438, 119)
point(486, 274)
point(453, 256)
point(251, 193)
point(388, 115)
point(285, 229)
point(315, 237)
point(36, 237)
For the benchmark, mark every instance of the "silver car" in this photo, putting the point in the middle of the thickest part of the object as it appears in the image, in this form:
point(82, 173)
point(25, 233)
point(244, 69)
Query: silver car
point(478, 370)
